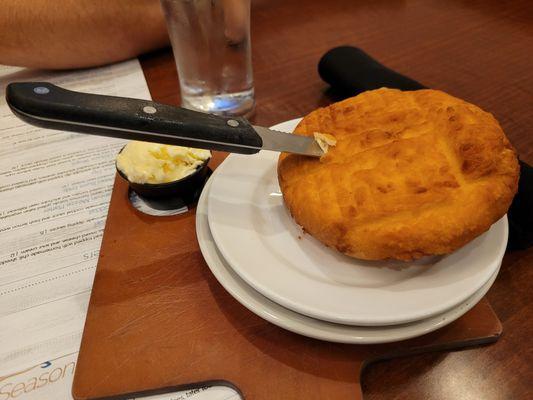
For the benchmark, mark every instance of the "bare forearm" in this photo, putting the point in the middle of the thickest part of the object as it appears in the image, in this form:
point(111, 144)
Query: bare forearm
point(78, 33)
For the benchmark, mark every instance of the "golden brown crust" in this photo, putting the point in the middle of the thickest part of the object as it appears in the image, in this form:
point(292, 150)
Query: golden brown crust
point(413, 174)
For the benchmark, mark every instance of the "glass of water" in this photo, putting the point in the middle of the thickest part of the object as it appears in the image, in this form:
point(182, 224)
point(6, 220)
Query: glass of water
point(211, 44)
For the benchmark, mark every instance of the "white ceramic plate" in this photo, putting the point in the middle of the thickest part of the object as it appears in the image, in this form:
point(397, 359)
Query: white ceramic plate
point(258, 238)
point(307, 326)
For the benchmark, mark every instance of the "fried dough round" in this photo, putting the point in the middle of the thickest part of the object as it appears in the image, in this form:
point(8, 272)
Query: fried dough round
point(412, 174)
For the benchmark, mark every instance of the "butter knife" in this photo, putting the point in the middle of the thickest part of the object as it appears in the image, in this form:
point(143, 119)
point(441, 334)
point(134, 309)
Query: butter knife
point(49, 106)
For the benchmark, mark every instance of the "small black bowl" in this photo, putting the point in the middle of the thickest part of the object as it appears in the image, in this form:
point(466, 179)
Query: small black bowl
point(186, 187)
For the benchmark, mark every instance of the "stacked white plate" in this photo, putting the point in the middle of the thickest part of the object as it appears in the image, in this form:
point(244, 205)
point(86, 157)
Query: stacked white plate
point(264, 260)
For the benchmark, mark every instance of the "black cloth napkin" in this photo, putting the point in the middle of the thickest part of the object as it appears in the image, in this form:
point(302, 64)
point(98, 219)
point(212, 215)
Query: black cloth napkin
point(350, 71)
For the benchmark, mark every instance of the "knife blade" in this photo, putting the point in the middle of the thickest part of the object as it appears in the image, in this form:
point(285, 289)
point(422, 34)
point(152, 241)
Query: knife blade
point(46, 105)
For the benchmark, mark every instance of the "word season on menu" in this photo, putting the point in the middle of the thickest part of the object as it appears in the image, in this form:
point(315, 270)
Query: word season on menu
point(44, 374)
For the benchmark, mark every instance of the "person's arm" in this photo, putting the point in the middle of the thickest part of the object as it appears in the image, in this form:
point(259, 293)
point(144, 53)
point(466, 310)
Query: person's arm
point(64, 34)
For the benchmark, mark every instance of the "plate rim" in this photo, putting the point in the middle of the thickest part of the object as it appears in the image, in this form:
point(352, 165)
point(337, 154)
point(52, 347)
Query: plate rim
point(292, 321)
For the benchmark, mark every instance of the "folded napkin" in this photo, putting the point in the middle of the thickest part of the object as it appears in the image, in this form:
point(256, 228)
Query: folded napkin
point(350, 71)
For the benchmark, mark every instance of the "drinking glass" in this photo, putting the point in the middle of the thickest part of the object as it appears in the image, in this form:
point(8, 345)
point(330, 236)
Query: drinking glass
point(211, 44)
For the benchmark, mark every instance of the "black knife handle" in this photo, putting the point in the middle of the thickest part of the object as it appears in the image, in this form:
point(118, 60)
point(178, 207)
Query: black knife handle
point(46, 105)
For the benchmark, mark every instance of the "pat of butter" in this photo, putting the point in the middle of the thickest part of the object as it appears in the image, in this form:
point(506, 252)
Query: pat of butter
point(144, 162)
point(324, 141)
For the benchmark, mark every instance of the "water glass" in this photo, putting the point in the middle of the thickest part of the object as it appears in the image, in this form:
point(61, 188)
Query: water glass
point(211, 44)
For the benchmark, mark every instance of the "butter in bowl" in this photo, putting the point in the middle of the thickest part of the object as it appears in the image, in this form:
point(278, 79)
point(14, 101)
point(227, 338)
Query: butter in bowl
point(158, 171)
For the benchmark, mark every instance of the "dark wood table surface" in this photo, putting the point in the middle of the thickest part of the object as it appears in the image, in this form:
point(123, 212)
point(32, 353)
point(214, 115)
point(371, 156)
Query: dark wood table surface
point(481, 51)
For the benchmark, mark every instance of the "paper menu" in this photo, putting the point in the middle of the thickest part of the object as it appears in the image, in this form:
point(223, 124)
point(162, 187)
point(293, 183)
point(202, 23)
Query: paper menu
point(52, 379)
point(54, 193)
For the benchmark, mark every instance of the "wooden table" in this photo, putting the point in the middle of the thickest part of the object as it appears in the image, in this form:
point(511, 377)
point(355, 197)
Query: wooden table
point(481, 51)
